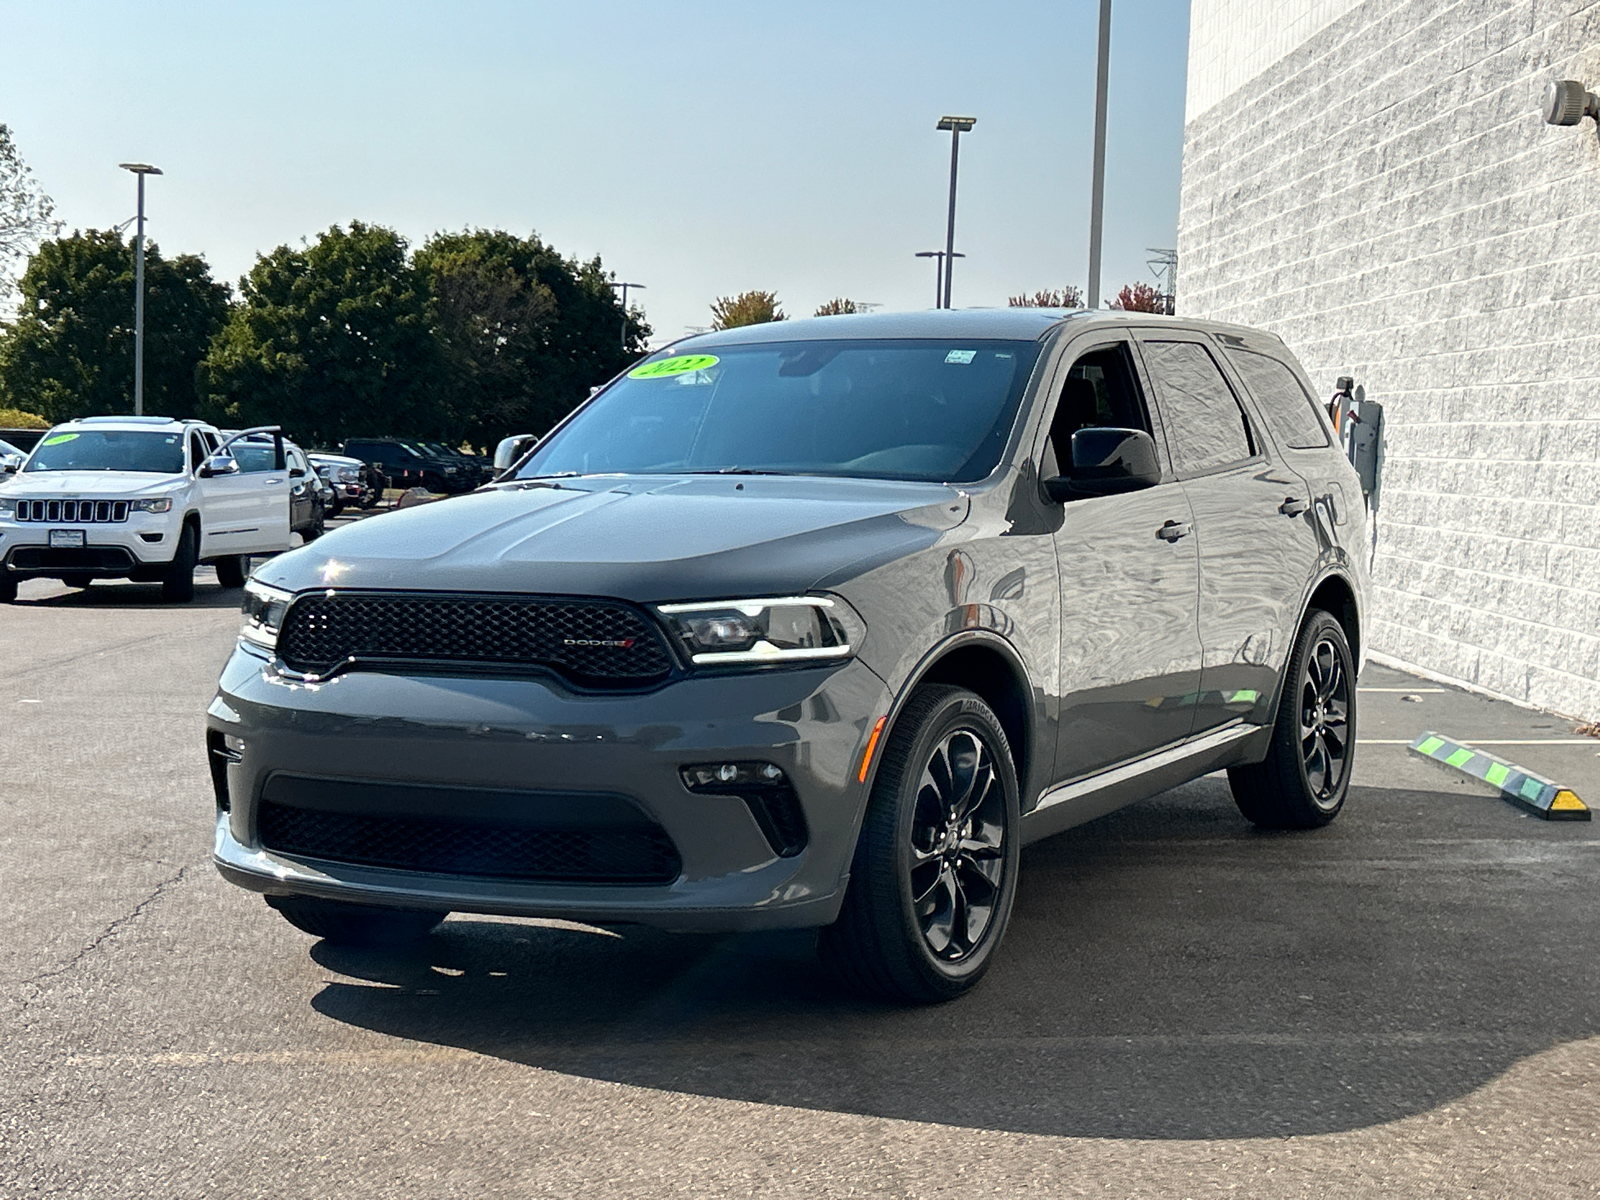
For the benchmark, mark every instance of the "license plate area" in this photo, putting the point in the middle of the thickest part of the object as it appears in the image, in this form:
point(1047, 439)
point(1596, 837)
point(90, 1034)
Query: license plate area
point(66, 539)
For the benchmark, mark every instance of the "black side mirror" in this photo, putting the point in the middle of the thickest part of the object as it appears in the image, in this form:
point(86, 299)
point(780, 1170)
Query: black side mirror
point(296, 473)
point(9, 468)
point(1107, 462)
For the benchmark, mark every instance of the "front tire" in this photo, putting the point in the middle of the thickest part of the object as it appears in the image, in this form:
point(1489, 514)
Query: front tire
point(177, 585)
point(935, 868)
point(8, 590)
point(346, 924)
point(1303, 782)
point(233, 570)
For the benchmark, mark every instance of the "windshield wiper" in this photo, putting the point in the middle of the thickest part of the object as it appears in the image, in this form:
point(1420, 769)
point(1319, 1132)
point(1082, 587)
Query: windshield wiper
point(743, 471)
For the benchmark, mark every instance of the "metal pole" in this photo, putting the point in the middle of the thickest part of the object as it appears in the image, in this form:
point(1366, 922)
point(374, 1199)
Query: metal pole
point(138, 306)
point(1097, 200)
point(949, 259)
point(624, 316)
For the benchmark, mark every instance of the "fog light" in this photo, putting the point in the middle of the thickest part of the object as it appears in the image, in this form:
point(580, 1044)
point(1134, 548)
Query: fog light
point(766, 792)
point(732, 776)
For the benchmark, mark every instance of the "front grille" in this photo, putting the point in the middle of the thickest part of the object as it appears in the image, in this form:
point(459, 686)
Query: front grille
point(73, 512)
point(594, 643)
point(552, 854)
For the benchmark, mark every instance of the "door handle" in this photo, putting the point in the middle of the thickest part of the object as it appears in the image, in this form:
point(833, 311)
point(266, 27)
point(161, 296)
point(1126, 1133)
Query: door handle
point(272, 481)
point(1293, 506)
point(1173, 530)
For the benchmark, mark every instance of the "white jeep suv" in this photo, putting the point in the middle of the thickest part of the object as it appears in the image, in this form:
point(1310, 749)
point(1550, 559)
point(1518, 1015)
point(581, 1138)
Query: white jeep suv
point(144, 498)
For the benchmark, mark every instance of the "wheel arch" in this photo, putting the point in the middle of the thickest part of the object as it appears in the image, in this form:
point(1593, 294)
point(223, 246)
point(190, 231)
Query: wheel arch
point(989, 666)
point(1335, 595)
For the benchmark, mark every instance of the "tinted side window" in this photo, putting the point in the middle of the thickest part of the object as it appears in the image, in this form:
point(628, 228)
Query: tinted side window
point(1291, 413)
point(1206, 427)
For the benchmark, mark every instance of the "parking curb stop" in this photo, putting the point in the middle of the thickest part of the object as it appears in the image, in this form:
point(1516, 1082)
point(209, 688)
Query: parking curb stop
point(1540, 796)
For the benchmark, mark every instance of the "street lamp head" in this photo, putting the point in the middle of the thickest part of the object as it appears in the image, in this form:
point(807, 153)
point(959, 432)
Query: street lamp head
point(140, 168)
point(957, 124)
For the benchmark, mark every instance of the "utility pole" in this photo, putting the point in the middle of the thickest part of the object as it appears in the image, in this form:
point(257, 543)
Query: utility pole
point(638, 287)
point(141, 170)
point(1097, 201)
point(957, 126)
point(938, 273)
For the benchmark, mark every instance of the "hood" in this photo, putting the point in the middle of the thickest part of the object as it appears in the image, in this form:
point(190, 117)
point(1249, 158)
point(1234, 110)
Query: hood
point(94, 485)
point(641, 538)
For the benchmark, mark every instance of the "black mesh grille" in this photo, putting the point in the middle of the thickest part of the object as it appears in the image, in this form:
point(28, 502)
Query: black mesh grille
point(595, 643)
point(557, 854)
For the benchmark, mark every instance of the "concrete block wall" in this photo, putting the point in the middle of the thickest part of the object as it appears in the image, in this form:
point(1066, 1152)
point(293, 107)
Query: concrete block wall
point(1386, 197)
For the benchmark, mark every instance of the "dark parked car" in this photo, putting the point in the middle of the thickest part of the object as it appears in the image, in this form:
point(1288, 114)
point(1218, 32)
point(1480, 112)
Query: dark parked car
point(812, 624)
point(407, 466)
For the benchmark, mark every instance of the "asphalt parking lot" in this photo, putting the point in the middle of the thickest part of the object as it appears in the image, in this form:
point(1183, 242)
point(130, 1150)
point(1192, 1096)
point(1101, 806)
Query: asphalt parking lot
point(1407, 1002)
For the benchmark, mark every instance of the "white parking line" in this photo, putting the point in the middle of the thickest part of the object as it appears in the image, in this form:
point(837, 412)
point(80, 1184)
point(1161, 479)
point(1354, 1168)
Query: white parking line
point(1487, 741)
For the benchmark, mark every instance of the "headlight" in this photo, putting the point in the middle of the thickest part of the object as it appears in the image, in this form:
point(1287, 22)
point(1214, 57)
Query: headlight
point(8, 508)
point(157, 504)
point(788, 629)
point(263, 609)
point(348, 474)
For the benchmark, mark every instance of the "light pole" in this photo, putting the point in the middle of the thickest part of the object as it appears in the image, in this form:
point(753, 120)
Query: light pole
point(938, 272)
point(1097, 198)
point(957, 126)
point(141, 170)
point(638, 287)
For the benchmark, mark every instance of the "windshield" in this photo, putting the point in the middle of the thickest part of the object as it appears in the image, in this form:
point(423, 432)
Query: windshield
point(110, 450)
point(905, 409)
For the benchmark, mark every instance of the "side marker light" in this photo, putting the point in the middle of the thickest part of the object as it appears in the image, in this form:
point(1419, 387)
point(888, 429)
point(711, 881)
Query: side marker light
point(872, 744)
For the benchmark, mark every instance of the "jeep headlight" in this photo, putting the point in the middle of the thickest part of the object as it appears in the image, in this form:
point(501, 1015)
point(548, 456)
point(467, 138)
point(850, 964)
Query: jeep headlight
point(761, 632)
point(263, 609)
point(8, 508)
point(153, 504)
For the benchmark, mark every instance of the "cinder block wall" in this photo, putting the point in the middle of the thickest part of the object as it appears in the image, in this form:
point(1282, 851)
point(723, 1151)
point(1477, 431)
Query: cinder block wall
point(1388, 199)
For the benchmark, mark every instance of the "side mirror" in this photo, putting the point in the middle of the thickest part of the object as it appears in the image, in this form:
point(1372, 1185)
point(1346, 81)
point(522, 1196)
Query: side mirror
point(1107, 462)
point(218, 464)
point(8, 468)
point(296, 473)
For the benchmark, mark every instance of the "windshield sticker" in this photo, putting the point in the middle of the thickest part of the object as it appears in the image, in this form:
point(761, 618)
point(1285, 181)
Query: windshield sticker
point(59, 438)
point(961, 356)
point(682, 364)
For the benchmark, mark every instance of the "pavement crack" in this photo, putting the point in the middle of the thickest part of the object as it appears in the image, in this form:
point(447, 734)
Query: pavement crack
point(110, 931)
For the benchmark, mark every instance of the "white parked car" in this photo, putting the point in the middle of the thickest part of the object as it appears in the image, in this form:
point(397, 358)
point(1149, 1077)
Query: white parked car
point(11, 458)
point(144, 498)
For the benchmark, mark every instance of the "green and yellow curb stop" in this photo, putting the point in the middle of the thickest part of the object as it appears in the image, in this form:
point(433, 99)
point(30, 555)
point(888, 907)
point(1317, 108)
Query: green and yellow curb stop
point(1535, 793)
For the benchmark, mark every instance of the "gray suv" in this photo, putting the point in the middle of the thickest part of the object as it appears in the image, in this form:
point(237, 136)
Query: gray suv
point(810, 625)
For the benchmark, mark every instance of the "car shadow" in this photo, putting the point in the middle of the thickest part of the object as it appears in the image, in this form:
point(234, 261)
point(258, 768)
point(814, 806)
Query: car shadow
point(1169, 973)
point(123, 594)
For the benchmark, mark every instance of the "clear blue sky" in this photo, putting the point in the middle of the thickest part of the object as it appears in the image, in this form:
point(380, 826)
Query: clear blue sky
point(700, 148)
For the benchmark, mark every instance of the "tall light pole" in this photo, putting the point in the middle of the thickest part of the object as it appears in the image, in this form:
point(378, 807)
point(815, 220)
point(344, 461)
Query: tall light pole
point(938, 273)
point(957, 126)
point(1097, 200)
point(141, 170)
point(638, 287)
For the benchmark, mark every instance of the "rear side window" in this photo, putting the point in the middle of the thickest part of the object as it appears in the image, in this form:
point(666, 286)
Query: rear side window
point(1206, 428)
point(1291, 413)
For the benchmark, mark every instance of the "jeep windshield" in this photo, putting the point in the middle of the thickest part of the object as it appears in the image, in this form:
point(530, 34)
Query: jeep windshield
point(939, 411)
point(145, 450)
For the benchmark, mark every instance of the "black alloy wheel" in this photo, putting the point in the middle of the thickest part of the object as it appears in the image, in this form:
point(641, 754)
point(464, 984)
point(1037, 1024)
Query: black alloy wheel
point(958, 835)
point(1325, 722)
point(177, 583)
point(935, 868)
point(1303, 781)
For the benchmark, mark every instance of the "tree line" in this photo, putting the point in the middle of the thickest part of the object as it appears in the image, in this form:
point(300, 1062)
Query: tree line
point(466, 338)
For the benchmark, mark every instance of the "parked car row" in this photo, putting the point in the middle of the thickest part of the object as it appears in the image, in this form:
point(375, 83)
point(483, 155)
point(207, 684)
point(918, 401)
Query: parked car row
point(431, 465)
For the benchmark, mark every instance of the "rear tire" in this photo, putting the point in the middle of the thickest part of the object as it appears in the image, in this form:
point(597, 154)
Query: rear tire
point(233, 570)
point(1303, 782)
point(346, 924)
point(81, 582)
point(8, 590)
point(935, 868)
point(177, 585)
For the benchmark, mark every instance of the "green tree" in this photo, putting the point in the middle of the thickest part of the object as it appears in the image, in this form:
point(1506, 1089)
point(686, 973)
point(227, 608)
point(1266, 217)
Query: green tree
point(69, 353)
point(838, 307)
point(747, 308)
point(26, 213)
point(1067, 297)
point(330, 340)
point(523, 333)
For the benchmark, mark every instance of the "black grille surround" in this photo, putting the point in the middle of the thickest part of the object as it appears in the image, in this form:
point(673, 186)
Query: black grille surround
point(73, 512)
point(591, 643)
point(546, 837)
